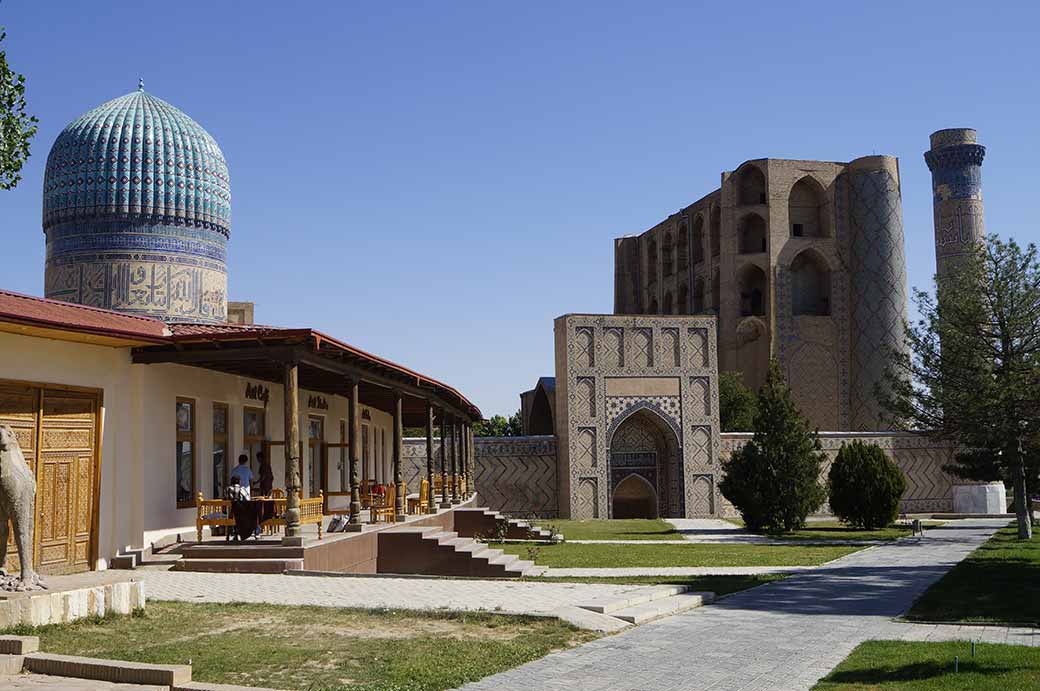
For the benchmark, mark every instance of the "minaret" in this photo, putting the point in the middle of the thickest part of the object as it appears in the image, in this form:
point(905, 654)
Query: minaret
point(955, 159)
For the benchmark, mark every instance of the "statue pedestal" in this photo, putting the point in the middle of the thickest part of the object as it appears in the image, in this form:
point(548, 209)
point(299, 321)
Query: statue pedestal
point(990, 498)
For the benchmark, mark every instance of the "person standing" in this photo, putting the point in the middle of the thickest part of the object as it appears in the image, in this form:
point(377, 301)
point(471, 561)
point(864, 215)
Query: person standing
point(266, 474)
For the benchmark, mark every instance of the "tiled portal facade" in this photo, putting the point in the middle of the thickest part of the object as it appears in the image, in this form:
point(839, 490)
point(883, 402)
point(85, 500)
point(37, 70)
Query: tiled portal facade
point(641, 412)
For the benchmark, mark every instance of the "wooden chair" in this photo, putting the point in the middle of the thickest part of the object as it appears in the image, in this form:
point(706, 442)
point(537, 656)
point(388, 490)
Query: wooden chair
point(385, 509)
point(278, 493)
point(424, 496)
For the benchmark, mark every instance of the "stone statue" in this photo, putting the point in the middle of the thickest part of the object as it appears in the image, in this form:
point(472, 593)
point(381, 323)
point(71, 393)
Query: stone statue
point(17, 504)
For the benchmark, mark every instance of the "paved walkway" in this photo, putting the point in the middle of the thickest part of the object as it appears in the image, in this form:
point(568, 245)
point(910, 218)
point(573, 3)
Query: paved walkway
point(507, 597)
point(39, 682)
point(782, 636)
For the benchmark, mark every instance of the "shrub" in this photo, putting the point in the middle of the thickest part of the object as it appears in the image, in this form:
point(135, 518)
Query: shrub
point(736, 404)
point(865, 486)
point(774, 480)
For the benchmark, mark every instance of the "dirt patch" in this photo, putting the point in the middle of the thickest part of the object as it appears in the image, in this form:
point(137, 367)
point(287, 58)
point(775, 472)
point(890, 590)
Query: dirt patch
point(405, 629)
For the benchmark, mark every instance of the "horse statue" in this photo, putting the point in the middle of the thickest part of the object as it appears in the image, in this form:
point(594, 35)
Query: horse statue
point(17, 505)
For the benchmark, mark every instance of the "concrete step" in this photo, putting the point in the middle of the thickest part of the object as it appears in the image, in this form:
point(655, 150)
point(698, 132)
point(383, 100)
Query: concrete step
point(635, 598)
point(239, 565)
point(655, 609)
point(11, 665)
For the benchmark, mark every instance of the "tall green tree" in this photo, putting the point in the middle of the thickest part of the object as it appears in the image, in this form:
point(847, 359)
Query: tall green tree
point(736, 403)
point(774, 479)
point(16, 127)
point(499, 426)
point(972, 375)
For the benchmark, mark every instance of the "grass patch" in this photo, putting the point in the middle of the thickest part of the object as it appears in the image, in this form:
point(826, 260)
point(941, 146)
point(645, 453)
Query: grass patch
point(838, 531)
point(720, 585)
point(882, 665)
point(998, 582)
point(615, 529)
point(316, 648)
point(568, 555)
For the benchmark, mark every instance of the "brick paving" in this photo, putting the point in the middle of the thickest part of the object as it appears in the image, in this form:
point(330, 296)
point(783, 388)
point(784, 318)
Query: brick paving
point(40, 682)
point(783, 636)
point(512, 597)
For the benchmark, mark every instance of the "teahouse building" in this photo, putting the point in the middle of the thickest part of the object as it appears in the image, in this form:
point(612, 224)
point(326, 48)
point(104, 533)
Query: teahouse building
point(130, 392)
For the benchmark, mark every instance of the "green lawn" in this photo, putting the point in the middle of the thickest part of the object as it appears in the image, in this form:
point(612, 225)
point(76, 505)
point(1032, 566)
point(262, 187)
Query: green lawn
point(720, 585)
point(316, 648)
point(883, 665)
point(836, 530)
point(620, 529)
point(651, 555)
point(998, 582)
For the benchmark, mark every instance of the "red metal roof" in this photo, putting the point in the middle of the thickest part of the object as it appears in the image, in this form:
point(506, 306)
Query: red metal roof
point(184, 333)
point(34, 311)
point(66, 316)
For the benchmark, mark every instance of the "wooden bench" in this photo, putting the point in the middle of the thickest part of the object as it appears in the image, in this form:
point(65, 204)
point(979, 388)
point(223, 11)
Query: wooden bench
point(212, 513)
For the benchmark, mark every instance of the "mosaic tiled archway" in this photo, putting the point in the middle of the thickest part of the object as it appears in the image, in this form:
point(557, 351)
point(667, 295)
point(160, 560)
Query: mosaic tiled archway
point(644, 443)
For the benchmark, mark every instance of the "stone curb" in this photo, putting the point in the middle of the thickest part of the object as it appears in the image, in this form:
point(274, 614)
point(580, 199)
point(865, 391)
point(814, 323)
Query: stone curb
point(19, 645)
point(62, 607)
point(115, 671)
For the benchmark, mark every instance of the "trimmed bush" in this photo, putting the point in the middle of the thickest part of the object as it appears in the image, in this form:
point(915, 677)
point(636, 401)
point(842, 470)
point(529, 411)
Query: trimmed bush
point(774, 480)
point(865, 486)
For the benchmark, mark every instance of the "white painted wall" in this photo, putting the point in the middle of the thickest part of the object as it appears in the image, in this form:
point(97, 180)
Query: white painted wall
point(138, 501)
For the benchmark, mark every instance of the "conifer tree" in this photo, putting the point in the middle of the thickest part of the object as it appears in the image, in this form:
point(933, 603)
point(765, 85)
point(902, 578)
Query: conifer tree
point(774, 479)
point(972, 375)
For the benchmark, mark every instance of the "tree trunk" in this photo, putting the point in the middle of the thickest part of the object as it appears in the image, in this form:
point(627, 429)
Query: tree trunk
point(1025, 525)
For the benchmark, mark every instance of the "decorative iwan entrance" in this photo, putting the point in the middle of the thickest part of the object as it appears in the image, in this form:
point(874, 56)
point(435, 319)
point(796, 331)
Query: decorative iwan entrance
point(645, 474)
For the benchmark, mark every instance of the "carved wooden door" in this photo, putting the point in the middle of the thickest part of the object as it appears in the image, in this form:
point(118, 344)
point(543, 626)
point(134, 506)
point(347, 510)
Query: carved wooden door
point(65, 484)
point(19, 408)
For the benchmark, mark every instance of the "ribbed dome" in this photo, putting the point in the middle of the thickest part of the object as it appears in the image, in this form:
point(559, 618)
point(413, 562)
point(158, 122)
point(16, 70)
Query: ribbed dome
point(137, 158)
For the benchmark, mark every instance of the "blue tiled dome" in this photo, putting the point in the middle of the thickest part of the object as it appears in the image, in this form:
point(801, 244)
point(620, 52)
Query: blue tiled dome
point(137, 213)
point(137, 157)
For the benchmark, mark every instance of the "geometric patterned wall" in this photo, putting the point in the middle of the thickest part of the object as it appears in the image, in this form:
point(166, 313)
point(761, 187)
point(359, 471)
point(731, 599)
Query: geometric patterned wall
point(928, 487)
point(514, 475)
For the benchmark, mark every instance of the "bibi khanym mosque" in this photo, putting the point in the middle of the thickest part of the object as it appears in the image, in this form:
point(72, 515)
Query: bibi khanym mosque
point(135, 382)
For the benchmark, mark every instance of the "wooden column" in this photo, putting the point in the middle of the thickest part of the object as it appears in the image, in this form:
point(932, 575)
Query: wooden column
point(469, 459)
point(445, 499)
point(293, 535)
point(430, 500)
point(465, 458)
point(354, 451)
point(400, 511)
point(454, 461)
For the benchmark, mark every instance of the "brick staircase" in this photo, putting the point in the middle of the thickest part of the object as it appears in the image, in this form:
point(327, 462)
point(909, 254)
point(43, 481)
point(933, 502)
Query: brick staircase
point(159, 555)
point(251, 557)
point(436, 552)
point(485, 522)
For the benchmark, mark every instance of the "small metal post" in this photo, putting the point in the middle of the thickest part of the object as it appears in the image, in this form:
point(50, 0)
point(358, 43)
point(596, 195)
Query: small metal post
point(973, 650)
point(956, 664)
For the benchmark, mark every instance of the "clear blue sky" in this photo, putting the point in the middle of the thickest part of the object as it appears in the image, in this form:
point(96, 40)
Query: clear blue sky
point(436, 182)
